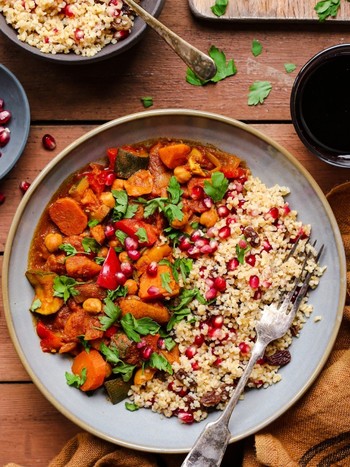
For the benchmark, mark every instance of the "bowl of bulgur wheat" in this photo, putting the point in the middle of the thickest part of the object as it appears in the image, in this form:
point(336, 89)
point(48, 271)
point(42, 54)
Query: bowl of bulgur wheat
point(222, 331)
point(70, 31)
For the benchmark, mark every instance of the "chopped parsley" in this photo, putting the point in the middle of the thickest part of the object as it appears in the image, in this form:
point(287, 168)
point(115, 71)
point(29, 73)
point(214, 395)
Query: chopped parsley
point(256, 48)
point(112, 356)
point(289, 67)
point(326, 9)
point(219, 9)
point(147, 101)
point(76, 380)
point(258, 92)
point(93, 223)
point(36, 304)
point(69, 249)
point(165, 278)
point(64, 287)
point(180, 265)
point(133, 327)
point(122, 208)
point(131, 406)
point(217, 187)
point(159, 362)
point(90, 245)
point(112, 313)
point(241, 252)
point(141, 234)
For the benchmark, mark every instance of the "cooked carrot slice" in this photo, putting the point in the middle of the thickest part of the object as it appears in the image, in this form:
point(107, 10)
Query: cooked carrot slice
point(95, 367)
point(174, 155)
point(68, 216)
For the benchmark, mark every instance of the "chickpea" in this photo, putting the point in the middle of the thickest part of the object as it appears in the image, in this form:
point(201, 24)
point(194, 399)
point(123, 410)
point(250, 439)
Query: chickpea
point(143, 375)
point(107, 199)
point(182, 174)
point(92, 305)
point(118, 184)
point(124, 257)
point(132, 286)
point(209, 218)
point(53, 241)
point(102, 252)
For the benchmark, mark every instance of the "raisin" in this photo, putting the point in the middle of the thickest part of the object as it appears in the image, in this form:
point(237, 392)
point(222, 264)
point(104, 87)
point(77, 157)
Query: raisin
point(251, 236)
point(279, 358)
point(211, 398)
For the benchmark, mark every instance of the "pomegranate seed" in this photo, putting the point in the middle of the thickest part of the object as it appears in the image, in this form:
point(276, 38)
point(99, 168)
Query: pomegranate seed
point(242, 244)
point(257, 295)
point(191, 351)
point(239, 186)
point(185, 244)
point(195, 366)
point(5, 116)
point(215, 333)
point(220, 284)
point(153, 291)
point(161, 343)
point(230, 194)
point(211, 232)
point(213, 245)
point(209, 282)
point(110, 179)
point(267, 284)
point(49, 142)
point(273, 212)
point(231, 220)
point(196, 235)
point(79, 34)
point(197, 192)
point(109, 231)
point(185, 417)
point(254, 282)
point(244, 348)
point(261, 361)
point(232, 264)
point(24, 186)
point(266, 245)
point(223, 211)
point(201, 242)
point(146, 352)
point(141, 344)
point(126, 268)
point(241, 202)
point(2, 198)
point(131, 244)
point(68, 11)
point(193, 251)
point(2, 103)
point(120, 35)
point(211, 294)
point(207, 250)
point(224, 232)
point(217, 322)
point(217, 362)
point(259, 383)
point(4, 136)
point(286, 209)
point(152, 269)
point(199, 340)
point(134, 254)
point(120, 277)
point(251, 260)
point(208, 202)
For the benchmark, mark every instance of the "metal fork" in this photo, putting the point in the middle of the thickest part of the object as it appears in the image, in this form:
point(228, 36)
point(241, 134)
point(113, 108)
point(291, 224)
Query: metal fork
point(275, 321)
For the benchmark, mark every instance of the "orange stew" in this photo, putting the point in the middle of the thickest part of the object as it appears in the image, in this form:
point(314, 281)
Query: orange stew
point(107, 284)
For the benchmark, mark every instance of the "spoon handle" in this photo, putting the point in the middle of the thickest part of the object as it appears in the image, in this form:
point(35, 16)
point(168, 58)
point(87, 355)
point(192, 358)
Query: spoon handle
point(202, 65)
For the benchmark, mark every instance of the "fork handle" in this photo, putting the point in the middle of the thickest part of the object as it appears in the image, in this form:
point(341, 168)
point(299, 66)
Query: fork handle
point(210, 447)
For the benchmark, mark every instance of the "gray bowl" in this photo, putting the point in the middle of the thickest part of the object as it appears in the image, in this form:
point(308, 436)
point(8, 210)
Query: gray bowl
point(16, 102)
point(143, 429)
point(154, 7)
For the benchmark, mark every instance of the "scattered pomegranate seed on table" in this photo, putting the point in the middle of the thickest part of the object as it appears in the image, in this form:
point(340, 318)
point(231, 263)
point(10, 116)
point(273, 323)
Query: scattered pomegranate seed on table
point(24, 185)
point(49, 142)
point(2, 198)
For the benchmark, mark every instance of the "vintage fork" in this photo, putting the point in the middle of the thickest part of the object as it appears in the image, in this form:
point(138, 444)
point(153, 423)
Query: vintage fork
point(275, 321)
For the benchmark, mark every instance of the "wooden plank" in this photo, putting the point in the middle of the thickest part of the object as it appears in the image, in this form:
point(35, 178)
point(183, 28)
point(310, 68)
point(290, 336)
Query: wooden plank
point(267, 10)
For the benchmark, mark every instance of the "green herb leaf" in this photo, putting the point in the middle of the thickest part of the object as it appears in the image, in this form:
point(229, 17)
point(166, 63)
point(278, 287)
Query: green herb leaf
point(176, 317)
point(258, 92)
point(112, 313)
point(326, 9)
point(186, 297)
point(93, 223)
point(173, 235)
point(219, 9)
point(120, 291)
point(159, 362)
point(130, 211)
point(131, 406)
point(256, 48)
point(165, 278)
point(134, 327)
point(121, 203)
point(68, 249)
point(84, 343)
point(174, 190)
point(121, 236)
point(142, 235)
point(111, 353)
point(289, 67)
point(90, 245)
point(241, 252)
point(64, 287)
point(35, 305)
point(76, 380)
point(99, 259)
point(169, 343)
point(147, 101)
point(173, 212)
point(217, 188)
point(125, 370)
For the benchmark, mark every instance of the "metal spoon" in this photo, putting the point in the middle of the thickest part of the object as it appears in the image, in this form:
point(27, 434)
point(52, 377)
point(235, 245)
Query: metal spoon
point(202, 65)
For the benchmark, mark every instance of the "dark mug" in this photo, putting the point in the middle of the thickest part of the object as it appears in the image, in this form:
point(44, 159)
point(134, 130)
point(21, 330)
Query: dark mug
point(320, 105)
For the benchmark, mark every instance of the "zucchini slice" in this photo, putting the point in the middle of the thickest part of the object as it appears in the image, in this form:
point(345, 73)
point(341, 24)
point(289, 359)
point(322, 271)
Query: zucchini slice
point(117, 389)
point(129, 160)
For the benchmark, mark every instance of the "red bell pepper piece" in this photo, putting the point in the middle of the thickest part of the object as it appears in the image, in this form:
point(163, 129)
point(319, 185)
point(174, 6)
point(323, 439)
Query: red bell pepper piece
point(107, 276)
point(49, 341)
point(131, 226)
point(112, 155)
point(233, 172)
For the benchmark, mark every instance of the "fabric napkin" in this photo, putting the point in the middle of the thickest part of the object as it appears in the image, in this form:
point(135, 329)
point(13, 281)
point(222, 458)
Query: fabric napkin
point(314, 432)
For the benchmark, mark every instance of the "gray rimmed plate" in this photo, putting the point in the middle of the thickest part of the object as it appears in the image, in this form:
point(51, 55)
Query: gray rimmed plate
point(15, 98)
point(143, 429)
point(154, 7)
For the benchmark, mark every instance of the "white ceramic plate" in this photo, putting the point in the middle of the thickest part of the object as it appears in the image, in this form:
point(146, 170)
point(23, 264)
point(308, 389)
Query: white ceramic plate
point(143, 429)
point(15, 98)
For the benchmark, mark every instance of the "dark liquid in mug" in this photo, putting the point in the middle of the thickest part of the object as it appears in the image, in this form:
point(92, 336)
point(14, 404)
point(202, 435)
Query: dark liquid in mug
point(326, 104)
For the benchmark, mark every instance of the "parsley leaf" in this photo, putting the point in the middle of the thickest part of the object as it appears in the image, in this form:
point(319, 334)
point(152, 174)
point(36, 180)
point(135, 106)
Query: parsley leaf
point(165, 278)
point(90, 245)
point(131, 406)
point(112, 356)
point(112, 313)
point(327, 8)
point(182, 265)
point(122, 208)
point(68, 249)
point(76, 380)
point(35, 305)
point(147, 101)
point(258, 92)
point(93, 222)
point(240, 252)
point(121, 236)
point(176, 317)
point(159, 362)
point(224, 68)
point(180, 310)
point(217, 188)
point(99, 259)
point(120, 291)
point(134, 327)
point(64, 287)
point(174, 190)
point(256, 47)
point(142, 235)
point(219, 9)
point(289, 67)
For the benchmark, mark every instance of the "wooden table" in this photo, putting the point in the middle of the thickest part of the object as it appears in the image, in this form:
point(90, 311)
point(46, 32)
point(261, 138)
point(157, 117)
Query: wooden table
point(67, 101)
